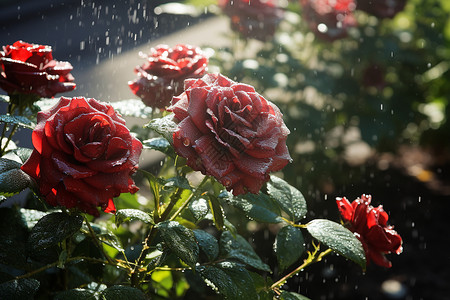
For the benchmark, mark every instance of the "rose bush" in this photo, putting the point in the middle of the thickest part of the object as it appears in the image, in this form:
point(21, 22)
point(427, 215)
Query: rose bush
point(31, 69)
point(253, 19)
point(329, 20)
point(83, 155)
point(369, 224)
point(164, 72)
point(227, 130)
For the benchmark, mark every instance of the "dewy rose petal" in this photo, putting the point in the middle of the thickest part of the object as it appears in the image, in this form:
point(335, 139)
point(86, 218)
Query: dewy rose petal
point(83, 155)
point(164, 72)
point(229, 131)
point(369, 224)
point(31, 69)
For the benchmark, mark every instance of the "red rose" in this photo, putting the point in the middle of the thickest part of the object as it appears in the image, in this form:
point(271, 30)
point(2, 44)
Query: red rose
point(256, 19)
point(381, 8)
point(229, 131)
point(369, 224)
point(83, 155)
point(329, 20)
point(31, 69)
point(163, 74)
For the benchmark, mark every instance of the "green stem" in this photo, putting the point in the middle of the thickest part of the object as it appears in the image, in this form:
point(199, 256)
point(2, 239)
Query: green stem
point(196, 193)
point(41, 269)
point(97, 243)
point(312, 258)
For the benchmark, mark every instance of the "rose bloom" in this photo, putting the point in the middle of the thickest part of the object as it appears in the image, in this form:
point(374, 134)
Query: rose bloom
point(256, 19)
point(83, 155)
point(164, 72)
point(369, 224)
point(31, 69)
point(381, 8)
point(328, 19)
point(229, 131)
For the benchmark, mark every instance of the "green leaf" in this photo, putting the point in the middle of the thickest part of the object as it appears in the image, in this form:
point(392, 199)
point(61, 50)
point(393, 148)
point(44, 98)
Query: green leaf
point(53, 228)
point(199, 208)
point(31, 216)
point(18, 289)
point(120, 292)
point(238, 248)
point(288, 197)
point(105, 236)
point(17, 120)
point(164, 126)
point(178, 181)
point(12, 179)
point(207, 243)
point(339, 239)
point(292, 296)
point(22, 153)
point(76, 294)
point(3, 199)
point(260, 208)
point(229, 279)
point(289, 246)
point(217, 212)
point(126, 215)
point(132, 108)
point(180, 240)
point(159, 144)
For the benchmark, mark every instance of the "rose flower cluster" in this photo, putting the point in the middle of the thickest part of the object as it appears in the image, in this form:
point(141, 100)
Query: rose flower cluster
point(83, 155)
point(31, 69)
point(331, 19)
point(229, 131)
point(369, 224)
point(164, 72)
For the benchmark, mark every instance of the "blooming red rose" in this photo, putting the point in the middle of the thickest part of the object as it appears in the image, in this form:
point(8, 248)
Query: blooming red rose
point(256, 19)
point(31, 69)
point(381, 8)
point(163, 74)
point(369, 224)
point(329, 19)
point(83, 155)
point(227, 130)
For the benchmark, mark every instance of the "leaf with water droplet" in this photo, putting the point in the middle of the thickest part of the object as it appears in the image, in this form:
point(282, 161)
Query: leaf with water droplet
point(52, 229)
point(199, 208)
point(76, 294)
point(288, 197)
point(164, 126)
point(238, 248)
point(105, 236)
point(24, 288)
point(260, 208)
point(160, 144)
point(217, 212)
point(180, 240)
point(229, 279)
point(12, 179)
point(17, 120)
point(289, 246)
point(128, 214)
point(339, 239)
point(207, 244)
point(121, 292)
point(292, 296)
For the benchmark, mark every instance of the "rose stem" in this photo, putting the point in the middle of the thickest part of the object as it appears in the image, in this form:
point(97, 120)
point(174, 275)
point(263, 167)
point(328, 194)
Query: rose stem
point(312, 258)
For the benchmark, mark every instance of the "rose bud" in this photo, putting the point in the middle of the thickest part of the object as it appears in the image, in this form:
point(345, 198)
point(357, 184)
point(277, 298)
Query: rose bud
point(369, 224)
point(229, 131)
point(31, 69)
point(83, 155)
point(164, 72)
